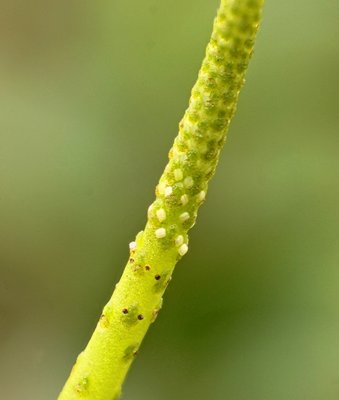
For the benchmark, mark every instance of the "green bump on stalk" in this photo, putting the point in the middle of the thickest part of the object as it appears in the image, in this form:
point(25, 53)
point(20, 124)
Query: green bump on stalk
point(101, 368)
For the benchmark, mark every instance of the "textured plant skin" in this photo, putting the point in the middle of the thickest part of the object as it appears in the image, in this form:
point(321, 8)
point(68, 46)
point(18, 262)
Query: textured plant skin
point(101, 368)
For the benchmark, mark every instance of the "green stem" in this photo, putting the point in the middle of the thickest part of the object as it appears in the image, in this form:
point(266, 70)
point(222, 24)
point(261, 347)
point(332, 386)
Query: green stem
point(101, 368)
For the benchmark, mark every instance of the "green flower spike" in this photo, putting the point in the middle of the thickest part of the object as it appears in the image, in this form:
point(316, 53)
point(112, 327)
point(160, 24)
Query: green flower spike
point(101, 368)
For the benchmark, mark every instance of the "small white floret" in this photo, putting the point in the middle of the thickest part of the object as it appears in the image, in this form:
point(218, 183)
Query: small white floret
point(184, 216)
point(160, 233)
point(184, 199)
point(179, 240)
point(183, 249)
point(161, 187)
point(168, 191)
point(132, 246)
point(149, 211)
point(202, 195)
point(161, 214)
point(188, 182)
point(178, 175)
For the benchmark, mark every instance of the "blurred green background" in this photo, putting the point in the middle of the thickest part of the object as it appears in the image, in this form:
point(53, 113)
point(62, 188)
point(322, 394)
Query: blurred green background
point(91, 96)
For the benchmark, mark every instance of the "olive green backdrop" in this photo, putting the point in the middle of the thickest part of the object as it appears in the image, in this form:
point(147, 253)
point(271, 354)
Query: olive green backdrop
point(91, 93)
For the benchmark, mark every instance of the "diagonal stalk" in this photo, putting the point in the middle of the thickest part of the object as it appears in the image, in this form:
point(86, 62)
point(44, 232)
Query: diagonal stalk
point(101, 368)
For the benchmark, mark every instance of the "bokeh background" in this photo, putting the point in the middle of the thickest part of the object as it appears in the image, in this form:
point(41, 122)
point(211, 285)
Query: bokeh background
point(91, 95)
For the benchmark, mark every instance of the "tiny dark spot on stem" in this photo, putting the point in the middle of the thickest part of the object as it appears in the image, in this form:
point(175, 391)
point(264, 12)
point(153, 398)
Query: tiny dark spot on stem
point(104, 322)
point(131, 260)
point(135, 353)
point(147, 267)
point(140, 317)
point(82, 386)
point(157, 277)
point(130, 351)
point(125, 311)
